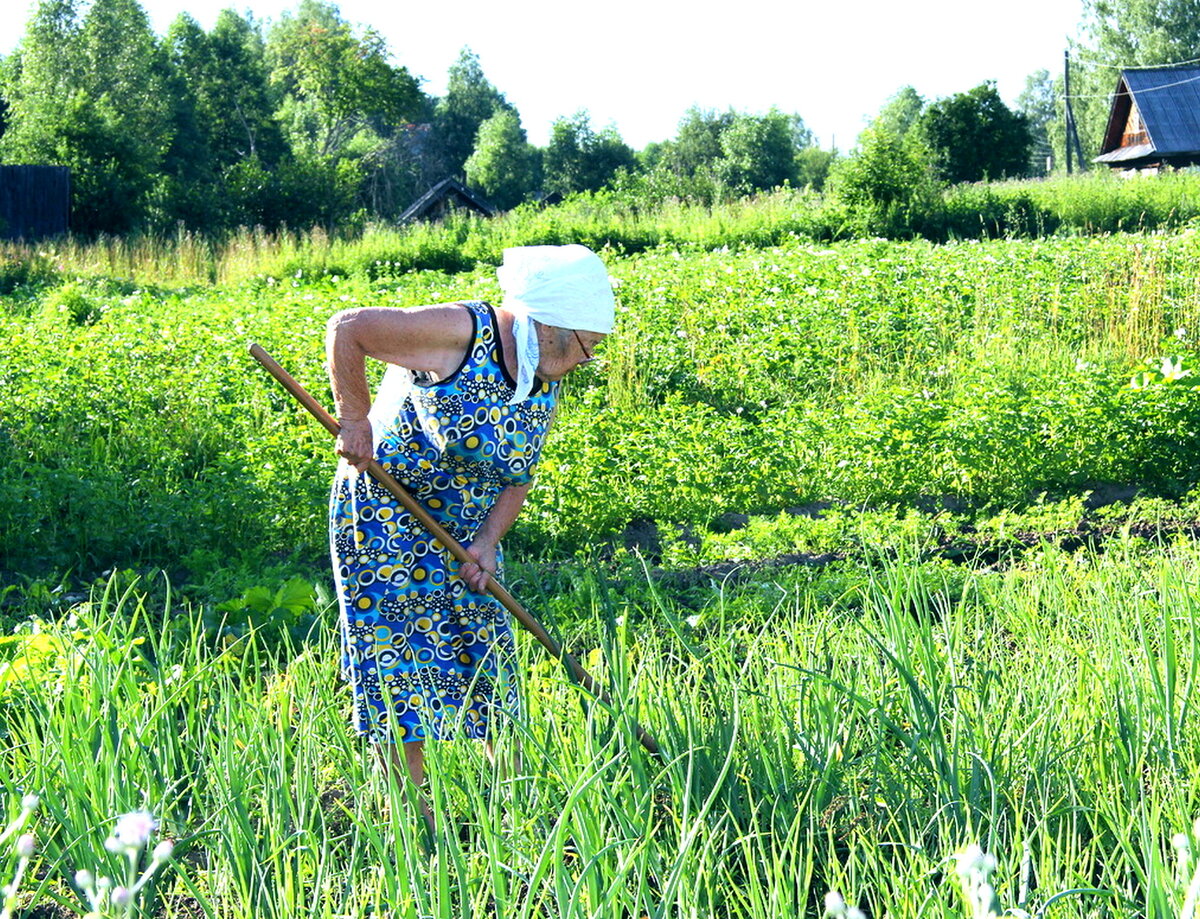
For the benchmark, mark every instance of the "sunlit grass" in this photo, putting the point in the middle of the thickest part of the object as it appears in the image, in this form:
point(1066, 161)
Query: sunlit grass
point(812, 742)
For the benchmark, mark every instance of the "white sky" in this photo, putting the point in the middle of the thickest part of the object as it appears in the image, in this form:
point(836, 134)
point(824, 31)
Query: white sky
point(641, 63)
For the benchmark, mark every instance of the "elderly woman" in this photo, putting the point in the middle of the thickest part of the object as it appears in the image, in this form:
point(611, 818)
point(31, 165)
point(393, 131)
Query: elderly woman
point(459, 420)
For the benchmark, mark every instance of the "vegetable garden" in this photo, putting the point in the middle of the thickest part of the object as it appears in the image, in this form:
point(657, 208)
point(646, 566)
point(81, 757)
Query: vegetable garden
point(891, 544)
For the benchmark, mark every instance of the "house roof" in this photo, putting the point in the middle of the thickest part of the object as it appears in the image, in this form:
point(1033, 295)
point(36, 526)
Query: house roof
point(447, 188)
point(1122, 154)
point(1168, 100)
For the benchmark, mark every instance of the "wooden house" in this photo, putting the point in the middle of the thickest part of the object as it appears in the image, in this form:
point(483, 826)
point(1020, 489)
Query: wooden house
point(1154, 123)
point(444, 197)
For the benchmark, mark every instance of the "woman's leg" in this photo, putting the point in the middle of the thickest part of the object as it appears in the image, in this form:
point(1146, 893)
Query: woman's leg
point(509, 765)
point(410, 768)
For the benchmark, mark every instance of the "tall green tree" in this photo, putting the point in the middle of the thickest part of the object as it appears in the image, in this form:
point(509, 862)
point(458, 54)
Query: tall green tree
point(343, 105)
point(339, 83)
point(6, 64)
point(901, 112)
point(758, 152)
point(974, 135)
point(1132, 33)
point(470, 100)
point(90, 94)
point(504, 164)
point(580, 158)
point(226, 72)
point(185, 189)
point(223, 165)
point(1039, 102)
point(697, 144)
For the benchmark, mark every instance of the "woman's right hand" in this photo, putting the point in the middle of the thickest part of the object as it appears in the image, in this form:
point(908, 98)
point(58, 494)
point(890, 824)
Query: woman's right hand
point(355, 443)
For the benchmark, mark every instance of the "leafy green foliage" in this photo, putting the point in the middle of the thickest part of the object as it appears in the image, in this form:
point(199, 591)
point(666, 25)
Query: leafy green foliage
point(887, 187)
point(901, 113)
point(759, 154)
point(470, 101)
point(722, 155)
point(290, 609)
point(580, 158)
point(504, 165)
point(88, 93)
point(1039, 102)
point(975, 136)
point(742, 382)
point(340, 79)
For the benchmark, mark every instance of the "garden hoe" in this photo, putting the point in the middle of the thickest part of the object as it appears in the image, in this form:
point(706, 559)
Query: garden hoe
point(495, 588)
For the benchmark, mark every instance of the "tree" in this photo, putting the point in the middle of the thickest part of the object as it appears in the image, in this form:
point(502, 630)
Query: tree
point(758, 152)
point(901, 112)
point(581, 159)
point(975, 136)
point(503, 165)
point(1039, 103)
point(225, 126)
point(6, 64)
point(1132, 33)
point(813, 166)
point(697, 146)
point(340, 83)
point(185, 190)
point(90, 95)
point(225, 70)
point(470, 100)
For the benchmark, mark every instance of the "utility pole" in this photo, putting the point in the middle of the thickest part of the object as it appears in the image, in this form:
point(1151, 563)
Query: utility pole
point(1067, 109)
point(1072, 131)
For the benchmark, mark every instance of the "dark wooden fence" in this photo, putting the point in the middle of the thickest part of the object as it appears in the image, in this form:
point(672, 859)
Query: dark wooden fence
point(35, 201)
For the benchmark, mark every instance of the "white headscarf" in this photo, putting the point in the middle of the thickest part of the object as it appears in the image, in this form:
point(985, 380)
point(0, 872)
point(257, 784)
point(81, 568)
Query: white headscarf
point(563, 286)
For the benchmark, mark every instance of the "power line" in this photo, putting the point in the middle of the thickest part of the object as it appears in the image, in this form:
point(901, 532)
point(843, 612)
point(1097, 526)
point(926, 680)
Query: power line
point(1087, 63)
point(1148, 89)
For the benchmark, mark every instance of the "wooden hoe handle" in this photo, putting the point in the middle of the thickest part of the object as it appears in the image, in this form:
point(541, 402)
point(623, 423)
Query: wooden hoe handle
point(495, 588)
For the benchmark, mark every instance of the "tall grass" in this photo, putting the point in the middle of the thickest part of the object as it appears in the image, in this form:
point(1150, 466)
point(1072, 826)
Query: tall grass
point(1096, 203)
point(816, 737)
point(458, 243)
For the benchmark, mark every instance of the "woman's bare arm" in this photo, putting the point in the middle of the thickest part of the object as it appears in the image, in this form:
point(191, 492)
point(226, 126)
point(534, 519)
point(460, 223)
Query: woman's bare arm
point(483, 547)
point(432, 338)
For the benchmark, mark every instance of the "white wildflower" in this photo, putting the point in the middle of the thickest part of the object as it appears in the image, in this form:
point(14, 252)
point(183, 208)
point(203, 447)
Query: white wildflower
point(835, 905)
point(133, 830)
point(25, 845)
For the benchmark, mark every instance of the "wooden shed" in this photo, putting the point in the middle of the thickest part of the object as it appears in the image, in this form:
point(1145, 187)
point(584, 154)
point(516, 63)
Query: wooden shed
point(444, 197)
point(1155, 120)
point(35, 201)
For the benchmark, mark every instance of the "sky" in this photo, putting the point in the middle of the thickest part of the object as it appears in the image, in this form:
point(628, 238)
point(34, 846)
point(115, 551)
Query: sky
point(640, 64)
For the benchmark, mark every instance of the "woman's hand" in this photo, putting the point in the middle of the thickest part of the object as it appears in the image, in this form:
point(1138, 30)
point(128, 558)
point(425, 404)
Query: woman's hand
point(476, 572)
point(355, 443)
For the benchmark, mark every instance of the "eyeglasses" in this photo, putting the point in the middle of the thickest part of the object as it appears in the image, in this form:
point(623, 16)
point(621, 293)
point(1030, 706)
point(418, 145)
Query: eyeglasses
point(587, 355)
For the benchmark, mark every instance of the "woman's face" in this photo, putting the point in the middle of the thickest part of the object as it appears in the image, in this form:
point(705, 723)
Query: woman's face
point(562, 350)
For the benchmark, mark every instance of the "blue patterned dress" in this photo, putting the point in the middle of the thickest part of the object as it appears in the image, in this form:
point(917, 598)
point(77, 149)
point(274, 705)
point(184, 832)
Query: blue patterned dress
point(422, 652)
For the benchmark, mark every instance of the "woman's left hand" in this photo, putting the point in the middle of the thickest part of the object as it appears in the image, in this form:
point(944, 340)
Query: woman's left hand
point(476, 572)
